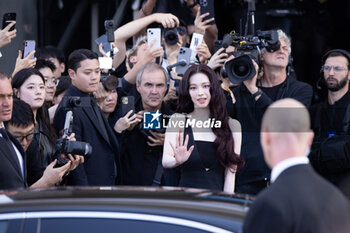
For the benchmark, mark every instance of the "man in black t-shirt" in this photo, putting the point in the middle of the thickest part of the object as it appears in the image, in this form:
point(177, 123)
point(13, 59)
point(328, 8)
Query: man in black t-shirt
point(253, 97)
point(331, 118)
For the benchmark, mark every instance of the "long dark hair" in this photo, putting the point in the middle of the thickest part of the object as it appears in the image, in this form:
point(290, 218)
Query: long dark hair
point(224, 143)
point(42, 115)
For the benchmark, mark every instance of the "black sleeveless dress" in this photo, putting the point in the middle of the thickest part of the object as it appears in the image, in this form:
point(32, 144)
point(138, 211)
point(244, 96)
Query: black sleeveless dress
point(202, 169)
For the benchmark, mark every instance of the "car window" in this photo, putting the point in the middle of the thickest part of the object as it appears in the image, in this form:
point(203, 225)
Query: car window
point(109, 225)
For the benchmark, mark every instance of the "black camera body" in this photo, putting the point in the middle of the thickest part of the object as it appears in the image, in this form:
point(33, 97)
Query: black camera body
point(109, 26)
point(63, 145)
point(249, 47)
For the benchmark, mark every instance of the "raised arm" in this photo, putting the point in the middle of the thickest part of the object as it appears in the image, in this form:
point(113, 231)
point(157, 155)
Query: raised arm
point(230, 173)
point(175, 144)
point(123, 33)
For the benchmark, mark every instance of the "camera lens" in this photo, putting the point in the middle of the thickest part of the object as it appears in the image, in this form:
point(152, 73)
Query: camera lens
point(241, 69)
point(170, 36)
point(79, 148)
point(109, 82)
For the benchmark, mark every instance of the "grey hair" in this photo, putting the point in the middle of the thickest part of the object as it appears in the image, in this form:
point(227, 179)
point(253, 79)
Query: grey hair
point(282, 36)
point(151, 67)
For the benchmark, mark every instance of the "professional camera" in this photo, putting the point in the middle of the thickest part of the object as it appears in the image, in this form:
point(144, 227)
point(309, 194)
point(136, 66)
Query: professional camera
point(249, 47)
point(63, 145)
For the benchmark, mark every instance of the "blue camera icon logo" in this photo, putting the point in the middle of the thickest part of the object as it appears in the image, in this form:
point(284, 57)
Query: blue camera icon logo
point(152, 120)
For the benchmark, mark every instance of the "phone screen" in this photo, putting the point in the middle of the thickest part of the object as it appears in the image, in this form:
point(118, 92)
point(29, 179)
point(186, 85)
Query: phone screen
point(7, 19)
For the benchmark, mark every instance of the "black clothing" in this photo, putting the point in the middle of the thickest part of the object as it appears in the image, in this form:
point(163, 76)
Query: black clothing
point(202, 169)
point(272, 92)
point(299, 201)
point(249, 113)
point(10, 171)
point(326, 121)
point(326, 118)
point(139, 161)
point(121, 70)
point(100, 168)
point(40, 154)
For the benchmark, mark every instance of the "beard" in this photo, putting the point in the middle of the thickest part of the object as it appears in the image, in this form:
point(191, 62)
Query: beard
point(338, 84)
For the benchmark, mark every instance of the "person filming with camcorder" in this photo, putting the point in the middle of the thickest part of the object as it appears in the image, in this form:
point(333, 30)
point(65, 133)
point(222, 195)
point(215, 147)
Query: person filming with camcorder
point(256, 91)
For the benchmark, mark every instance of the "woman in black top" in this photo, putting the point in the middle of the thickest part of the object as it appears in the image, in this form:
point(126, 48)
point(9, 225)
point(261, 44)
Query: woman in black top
point(201, 140)
point(29, 86)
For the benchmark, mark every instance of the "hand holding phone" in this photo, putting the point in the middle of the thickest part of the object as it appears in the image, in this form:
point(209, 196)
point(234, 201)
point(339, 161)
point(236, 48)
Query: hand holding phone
point(7, 19)
point(105, 44)
point(207, 6)
point(153, 37)
point(128, 103)
point(184, 55)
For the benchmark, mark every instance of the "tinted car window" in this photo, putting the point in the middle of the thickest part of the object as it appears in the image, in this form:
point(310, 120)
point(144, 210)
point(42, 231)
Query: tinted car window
point(88, 225)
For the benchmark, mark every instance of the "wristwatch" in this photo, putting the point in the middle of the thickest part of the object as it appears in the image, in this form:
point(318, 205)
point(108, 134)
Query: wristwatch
point(257, 93)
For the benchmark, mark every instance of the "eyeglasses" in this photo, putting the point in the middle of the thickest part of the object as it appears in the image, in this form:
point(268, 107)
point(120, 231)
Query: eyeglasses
point(28, 137)
point(336, 69)
point(53, 81)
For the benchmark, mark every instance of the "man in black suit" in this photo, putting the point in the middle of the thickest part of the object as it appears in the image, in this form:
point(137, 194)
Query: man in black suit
point(89, 123)
point(299, 200)
point(13, 170)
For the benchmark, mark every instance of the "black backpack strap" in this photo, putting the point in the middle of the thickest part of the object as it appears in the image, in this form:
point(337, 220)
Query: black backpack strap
point(346, 121)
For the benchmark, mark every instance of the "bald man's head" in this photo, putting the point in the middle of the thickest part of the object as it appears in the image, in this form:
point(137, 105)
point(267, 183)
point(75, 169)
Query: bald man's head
point(286, 115)
point(285, 131)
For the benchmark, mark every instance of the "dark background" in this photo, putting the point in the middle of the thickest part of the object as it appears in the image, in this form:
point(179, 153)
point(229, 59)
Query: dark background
point(315, 26)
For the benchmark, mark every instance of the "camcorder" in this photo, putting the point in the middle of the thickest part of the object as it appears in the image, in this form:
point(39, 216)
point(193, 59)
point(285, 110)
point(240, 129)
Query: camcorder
point(109, 27)
point(109, 81)
point(63, 145)
point(248, 47)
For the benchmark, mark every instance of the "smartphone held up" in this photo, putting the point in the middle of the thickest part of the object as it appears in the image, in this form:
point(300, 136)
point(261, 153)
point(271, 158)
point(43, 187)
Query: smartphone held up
point(28, 47)
point(7, 19)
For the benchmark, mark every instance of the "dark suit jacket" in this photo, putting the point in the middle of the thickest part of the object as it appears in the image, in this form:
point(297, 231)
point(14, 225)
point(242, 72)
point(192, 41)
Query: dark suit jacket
point(10, 172)
point(100, 168)
point(299, 201)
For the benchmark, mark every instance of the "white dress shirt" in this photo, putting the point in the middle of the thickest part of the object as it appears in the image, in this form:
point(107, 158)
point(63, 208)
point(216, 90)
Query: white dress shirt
point(283, 165)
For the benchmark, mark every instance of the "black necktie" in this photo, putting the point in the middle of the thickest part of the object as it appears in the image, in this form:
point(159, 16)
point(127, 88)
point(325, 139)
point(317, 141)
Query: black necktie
point(99, 117)
point(4, 133)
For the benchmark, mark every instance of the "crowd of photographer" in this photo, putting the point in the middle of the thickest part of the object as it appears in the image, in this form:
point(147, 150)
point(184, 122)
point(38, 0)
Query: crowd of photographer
point(88, 127)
